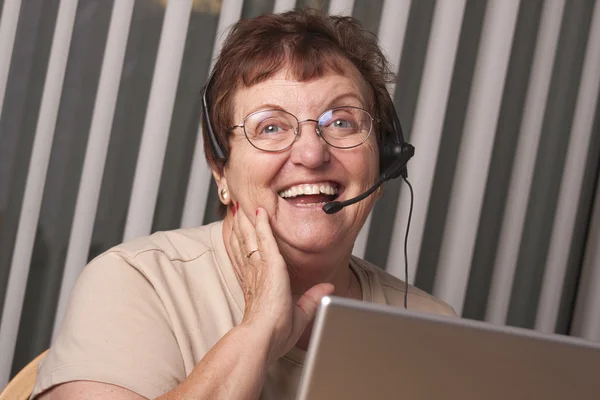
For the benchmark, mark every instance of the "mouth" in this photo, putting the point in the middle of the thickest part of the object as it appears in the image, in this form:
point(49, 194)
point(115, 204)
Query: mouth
point(311, 194)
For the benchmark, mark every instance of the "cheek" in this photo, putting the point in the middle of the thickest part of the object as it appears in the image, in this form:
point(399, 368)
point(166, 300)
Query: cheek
point(250, 174)
point(368, 162)
point(374, 157)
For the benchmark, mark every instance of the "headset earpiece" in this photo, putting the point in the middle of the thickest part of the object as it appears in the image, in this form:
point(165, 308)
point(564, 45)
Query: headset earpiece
point(206, 116)
point(394, 148)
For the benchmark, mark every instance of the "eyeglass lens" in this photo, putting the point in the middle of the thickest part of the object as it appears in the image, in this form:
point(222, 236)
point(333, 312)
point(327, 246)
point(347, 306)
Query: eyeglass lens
point(275, 130)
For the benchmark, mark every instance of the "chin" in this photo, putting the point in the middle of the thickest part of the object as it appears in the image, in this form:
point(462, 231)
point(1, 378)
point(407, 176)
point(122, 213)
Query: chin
point(312, 238)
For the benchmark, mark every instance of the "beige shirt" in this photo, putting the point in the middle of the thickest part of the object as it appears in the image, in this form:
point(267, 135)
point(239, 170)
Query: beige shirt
point(144, 313)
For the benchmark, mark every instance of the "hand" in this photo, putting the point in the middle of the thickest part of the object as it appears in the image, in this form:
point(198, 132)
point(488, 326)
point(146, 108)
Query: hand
point(266, 284)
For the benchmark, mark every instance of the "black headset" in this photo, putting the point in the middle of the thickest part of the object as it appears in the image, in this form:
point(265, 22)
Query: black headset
point(394, 151)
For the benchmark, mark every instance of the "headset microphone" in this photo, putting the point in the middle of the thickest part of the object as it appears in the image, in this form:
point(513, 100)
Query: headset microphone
point(395, 169)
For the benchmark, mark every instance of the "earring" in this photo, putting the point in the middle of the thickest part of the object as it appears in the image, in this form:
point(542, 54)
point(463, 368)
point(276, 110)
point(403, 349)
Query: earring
point(379, 192)
point(224, 193)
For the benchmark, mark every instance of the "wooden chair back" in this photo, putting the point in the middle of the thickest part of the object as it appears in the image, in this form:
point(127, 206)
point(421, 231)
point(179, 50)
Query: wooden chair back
point(21, 386)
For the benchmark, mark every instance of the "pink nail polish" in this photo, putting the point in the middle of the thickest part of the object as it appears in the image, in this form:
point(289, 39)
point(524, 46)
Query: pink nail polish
point(257, 212)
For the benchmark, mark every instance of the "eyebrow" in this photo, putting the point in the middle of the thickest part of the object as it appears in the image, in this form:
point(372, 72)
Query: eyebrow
point(350, 95)
point(265, 107)
point(335, 102)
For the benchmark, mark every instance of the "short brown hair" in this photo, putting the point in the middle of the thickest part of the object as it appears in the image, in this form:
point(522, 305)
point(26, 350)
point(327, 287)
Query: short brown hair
point(307, 41)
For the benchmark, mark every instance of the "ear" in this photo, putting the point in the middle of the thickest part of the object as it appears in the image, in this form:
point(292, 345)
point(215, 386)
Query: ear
point(222, 188)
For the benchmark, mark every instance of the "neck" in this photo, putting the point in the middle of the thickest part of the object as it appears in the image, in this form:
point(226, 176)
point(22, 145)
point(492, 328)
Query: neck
point(352, 291)
point(309, 269)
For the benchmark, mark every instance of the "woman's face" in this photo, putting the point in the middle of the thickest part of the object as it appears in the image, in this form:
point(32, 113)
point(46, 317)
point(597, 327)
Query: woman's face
point(256, 178)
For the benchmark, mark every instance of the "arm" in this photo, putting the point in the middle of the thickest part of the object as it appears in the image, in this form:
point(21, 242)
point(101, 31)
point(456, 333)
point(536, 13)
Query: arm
point(236, 367)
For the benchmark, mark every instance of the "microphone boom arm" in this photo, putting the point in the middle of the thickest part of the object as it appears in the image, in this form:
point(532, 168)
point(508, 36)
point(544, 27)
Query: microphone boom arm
point(393, 171)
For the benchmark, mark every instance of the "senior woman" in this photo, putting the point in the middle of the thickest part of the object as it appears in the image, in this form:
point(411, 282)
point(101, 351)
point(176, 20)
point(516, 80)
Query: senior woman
point(297, 105)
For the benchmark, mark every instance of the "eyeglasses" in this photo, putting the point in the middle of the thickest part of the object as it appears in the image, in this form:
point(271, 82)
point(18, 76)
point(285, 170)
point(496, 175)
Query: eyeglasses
point(276, 130)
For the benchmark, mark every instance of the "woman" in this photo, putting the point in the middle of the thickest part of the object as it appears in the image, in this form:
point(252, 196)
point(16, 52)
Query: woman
point(297, 105)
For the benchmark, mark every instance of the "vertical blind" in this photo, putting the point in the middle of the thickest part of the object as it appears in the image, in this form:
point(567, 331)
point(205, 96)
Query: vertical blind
point(100, 143)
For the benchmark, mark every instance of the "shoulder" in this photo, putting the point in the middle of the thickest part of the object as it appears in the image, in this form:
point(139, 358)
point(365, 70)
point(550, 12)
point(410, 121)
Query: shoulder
point(393, 290)
point(176, 245)
point(150, 267)
point(160, 249)
point(148, 293)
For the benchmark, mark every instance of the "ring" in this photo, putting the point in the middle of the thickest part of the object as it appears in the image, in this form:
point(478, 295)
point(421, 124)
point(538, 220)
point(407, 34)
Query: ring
point(249, 254)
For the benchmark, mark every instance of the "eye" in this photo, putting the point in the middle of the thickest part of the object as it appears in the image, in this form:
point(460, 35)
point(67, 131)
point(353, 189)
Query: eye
point(342, 124)
point(270, 129)
point(269, 125)
point(339, 119)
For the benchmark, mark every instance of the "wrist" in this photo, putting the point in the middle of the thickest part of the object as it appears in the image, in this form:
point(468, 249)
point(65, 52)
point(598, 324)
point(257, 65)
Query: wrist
point(259, 336)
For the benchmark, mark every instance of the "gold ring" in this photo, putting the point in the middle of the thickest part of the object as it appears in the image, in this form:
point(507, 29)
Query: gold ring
point(249, 254)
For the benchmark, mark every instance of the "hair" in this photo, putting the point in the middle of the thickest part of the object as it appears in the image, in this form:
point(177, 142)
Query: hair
point(310, 44)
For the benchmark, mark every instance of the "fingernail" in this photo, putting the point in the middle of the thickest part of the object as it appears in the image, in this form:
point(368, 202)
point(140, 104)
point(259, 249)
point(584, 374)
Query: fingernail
point(233, 209)
point(257, 212)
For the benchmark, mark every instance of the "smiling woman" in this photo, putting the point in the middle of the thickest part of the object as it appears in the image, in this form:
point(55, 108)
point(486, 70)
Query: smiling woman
point(299, 111)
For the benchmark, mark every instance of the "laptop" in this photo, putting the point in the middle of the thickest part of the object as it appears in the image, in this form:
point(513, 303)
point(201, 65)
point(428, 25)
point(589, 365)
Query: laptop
point(363, 351)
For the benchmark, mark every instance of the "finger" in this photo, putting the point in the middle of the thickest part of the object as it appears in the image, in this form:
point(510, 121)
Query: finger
point(307, 305)
point(244, 232)
point(236, 255)
point(247, 235)
point(265, 240)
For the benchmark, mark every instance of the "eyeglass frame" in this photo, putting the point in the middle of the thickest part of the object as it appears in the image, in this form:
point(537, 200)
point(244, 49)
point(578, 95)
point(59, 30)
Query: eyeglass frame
point(297, 128)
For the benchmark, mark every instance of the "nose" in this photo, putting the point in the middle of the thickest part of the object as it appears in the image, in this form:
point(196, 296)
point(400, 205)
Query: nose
point(309, 149)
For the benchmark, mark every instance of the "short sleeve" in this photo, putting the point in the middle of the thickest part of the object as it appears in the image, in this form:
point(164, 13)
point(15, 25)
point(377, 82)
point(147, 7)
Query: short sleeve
point(115, 331)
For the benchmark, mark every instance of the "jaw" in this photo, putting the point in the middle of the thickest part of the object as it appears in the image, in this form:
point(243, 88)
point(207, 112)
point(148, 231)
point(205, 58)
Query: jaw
point(316, 246)
point(310, 260)
point(307, 228)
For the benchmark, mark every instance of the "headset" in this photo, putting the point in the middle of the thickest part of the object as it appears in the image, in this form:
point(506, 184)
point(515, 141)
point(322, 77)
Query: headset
point(393, 156)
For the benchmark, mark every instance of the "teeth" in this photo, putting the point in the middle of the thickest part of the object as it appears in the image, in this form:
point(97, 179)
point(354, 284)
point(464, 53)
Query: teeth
point(300, 190)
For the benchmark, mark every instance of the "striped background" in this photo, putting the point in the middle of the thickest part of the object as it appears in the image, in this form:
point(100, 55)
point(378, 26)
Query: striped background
point(99, 144)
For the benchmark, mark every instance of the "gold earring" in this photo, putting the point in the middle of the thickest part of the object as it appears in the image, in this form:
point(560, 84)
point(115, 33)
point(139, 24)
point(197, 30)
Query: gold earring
point(224, 193)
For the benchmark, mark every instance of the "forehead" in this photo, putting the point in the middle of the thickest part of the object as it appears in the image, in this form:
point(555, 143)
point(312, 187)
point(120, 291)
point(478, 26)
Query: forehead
point(283, 90)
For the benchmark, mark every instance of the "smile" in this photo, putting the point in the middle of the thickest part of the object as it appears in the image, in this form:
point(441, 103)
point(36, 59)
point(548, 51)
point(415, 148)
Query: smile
point(324, 188)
